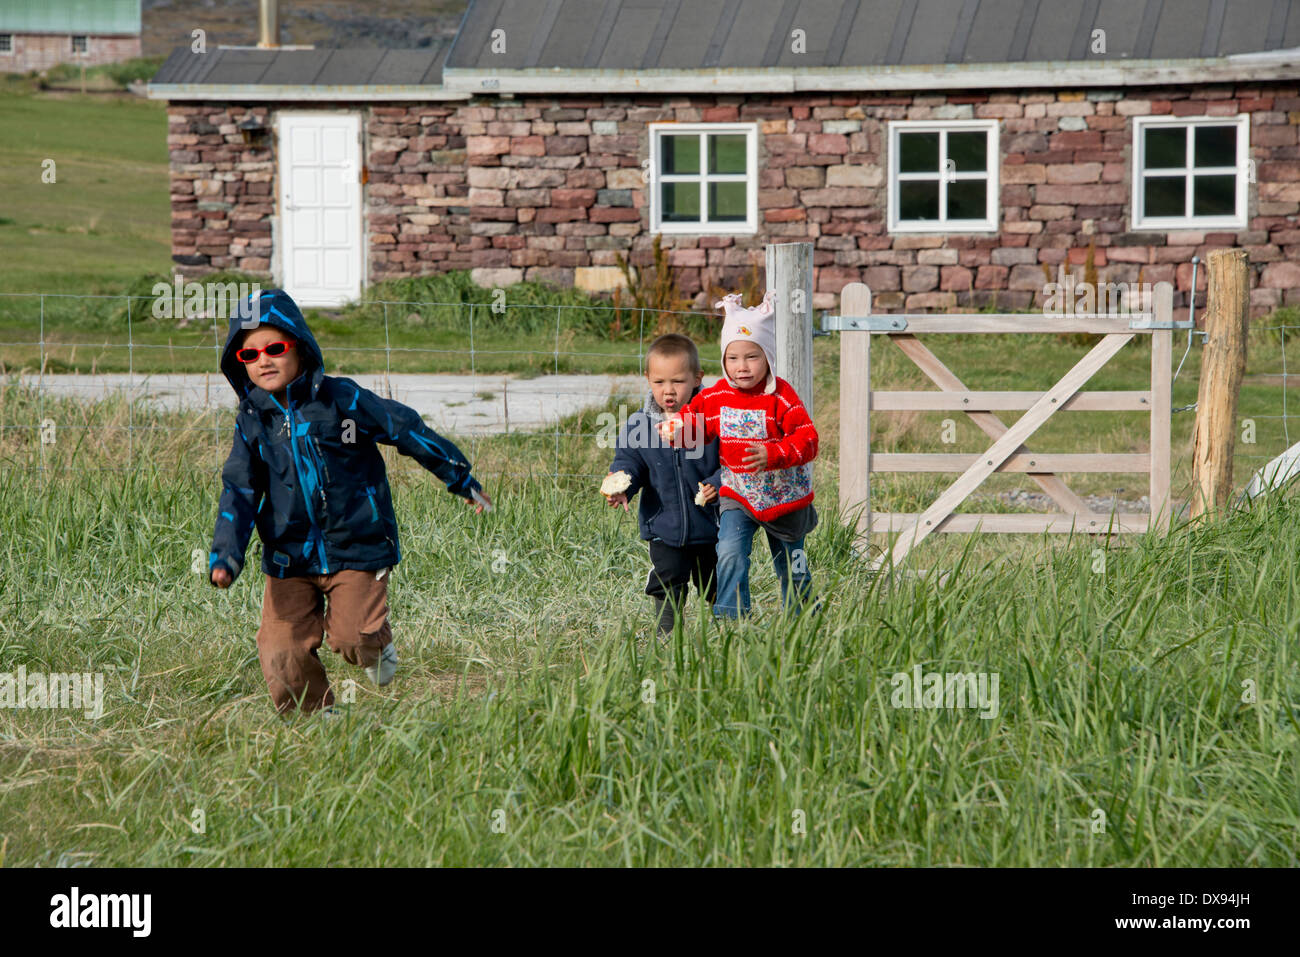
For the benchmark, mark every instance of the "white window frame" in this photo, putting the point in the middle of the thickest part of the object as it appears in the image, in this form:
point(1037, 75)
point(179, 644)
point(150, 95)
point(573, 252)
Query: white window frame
point(750, 178)
point(73, 41)
point(1138, 220)
point(993, 164)
point(10, 51)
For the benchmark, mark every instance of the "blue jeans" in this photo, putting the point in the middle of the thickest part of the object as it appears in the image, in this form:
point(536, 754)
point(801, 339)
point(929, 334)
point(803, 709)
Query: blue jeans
point(736, 531)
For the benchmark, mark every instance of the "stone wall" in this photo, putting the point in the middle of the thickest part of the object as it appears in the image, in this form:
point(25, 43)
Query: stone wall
point(40, 51)
point(550, 189)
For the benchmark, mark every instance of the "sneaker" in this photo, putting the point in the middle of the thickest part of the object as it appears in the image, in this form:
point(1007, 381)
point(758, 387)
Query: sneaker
point(382, 673)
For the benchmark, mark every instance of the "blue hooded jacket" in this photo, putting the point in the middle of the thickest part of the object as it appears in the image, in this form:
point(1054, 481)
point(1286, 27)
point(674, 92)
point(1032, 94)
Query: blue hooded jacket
point(668, 479)
point(308, 474)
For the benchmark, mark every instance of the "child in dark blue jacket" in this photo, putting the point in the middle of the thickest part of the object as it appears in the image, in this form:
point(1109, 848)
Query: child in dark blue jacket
point(683, 535)
point(305, 470)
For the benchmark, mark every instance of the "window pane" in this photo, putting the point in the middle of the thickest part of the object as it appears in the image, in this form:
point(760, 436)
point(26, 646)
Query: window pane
point(1165, 195)
point(727, 153)
point(969, 151)
point(1214, 196)
point(1165, 147)
point(681, 202)
point(918, 153)
point(1215, 145)
point(918, 199)
point(681, 154)
point(968, 199)
point(727, 202)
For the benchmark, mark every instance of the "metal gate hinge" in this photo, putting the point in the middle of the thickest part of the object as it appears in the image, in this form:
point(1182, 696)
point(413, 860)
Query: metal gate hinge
point(863, 324)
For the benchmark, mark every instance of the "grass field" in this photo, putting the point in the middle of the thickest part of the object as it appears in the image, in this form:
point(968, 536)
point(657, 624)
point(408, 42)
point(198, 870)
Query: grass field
point(1147, 687)
point(534, 720)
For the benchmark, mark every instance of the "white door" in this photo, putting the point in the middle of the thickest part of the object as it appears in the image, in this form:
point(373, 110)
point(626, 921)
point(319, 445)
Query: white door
point(320, 207)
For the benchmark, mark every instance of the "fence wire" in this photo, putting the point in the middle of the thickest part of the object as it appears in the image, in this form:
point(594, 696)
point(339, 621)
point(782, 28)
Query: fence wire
point(217, 418)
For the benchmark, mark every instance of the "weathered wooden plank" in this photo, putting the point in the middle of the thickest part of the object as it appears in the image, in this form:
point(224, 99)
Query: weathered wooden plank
point(1018, 522)
point(1162, 356)
point(855, 413)
point(1005, 401)
point(1020, 462)
point(1099, 325)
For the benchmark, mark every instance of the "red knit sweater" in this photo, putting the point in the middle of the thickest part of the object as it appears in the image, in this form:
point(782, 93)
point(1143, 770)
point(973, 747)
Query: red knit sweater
point(741, 418)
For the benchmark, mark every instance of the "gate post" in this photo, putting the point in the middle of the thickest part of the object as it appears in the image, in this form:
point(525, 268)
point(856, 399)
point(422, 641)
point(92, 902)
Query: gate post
point(789, 274)
point(855, 413)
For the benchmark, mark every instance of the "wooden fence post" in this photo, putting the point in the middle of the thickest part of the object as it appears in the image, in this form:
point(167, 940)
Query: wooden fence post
point(855, 413)
point(790, 274)
point(1222, 367)
point(1162, 351)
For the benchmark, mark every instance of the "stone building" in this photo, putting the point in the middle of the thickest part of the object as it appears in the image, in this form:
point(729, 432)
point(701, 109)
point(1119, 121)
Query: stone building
point(946, 152)
point(39, 34)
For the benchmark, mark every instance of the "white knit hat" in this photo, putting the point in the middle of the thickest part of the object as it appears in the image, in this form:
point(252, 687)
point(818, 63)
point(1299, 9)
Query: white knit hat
point(755, 325)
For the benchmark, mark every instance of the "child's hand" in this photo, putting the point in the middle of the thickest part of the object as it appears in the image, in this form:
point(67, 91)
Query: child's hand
point(478, 506)
point(755, 458)
point(220, 577)
point(670, 427)
point(710, 493)
point(617, 499)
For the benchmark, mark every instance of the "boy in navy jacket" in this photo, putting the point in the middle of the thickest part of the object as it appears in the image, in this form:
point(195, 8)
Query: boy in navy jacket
point(683, 535)
point(305, 470)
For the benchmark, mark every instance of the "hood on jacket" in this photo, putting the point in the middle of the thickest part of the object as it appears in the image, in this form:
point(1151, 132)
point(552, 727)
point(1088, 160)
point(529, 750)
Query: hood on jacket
point(273, 307)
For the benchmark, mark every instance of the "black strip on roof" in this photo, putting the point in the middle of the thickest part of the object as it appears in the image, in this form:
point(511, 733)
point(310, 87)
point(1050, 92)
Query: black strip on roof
point(840, 38)
point(1213, 27)
point(608, 16)
point(1083, 31)
point(1147, 32)
point(656, 48)
point(720, 32)
point(961, 31)
point(781, 35)
point(1024, 29)
point(902, 27)
point(1277, 23)
point(543, 32)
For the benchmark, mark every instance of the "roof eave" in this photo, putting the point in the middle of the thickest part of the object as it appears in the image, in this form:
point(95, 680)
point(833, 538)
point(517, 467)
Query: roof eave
point(1051, 73)
point(262, 92)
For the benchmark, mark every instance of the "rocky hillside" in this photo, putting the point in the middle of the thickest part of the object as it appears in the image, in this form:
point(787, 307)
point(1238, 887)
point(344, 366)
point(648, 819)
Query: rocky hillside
point(324, 23)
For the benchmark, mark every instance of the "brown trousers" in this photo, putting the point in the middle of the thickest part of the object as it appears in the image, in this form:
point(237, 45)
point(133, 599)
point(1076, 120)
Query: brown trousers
point(295, 617)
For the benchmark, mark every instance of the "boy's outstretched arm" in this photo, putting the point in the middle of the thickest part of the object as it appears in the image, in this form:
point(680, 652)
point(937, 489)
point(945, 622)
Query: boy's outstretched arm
point(397, 424)
point(243, 481)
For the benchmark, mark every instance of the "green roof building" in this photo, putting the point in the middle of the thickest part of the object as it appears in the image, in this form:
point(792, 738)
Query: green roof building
point(38, 34)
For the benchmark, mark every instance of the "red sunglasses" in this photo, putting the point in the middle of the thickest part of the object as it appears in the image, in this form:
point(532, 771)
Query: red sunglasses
point(272, 349)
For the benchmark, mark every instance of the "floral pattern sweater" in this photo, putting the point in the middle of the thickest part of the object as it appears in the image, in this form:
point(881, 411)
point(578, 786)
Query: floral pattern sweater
point(741, 418)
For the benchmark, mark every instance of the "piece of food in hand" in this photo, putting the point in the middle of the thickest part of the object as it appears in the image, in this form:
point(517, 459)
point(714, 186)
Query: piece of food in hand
point(700, 496)
point(671, 424)
point(615, 482)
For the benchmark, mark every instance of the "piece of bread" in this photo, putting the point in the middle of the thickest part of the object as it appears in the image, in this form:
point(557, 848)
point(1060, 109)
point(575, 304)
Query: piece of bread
point(614, 483)
point(699, 497)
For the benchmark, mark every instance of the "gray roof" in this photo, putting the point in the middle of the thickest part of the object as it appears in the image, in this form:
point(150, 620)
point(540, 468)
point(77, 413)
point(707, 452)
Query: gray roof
point(290, 67)
point(731, 34)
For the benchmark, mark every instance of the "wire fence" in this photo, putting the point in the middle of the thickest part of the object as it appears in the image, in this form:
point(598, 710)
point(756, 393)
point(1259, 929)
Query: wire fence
point(525, 410)
point(493, 401)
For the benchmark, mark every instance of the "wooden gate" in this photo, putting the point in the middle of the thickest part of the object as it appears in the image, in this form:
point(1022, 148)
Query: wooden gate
point(1008, 451)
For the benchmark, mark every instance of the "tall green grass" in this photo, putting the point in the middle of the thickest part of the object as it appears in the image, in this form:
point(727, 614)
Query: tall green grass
point(524, 729)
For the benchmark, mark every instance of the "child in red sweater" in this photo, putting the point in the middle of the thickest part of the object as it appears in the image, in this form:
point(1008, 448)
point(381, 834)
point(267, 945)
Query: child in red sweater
point(767, 445)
